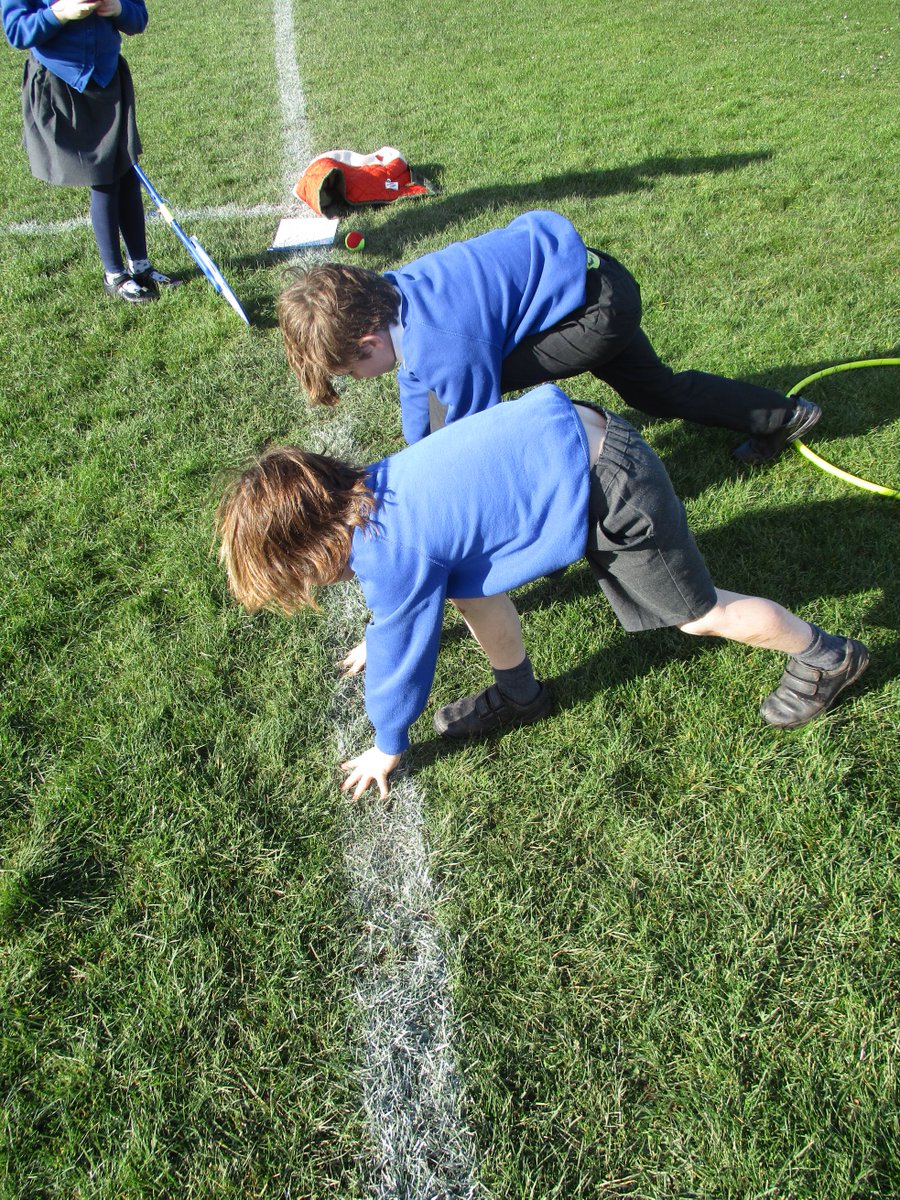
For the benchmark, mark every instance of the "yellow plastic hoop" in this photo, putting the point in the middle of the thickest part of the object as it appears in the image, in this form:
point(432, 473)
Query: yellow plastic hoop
point(821, 463)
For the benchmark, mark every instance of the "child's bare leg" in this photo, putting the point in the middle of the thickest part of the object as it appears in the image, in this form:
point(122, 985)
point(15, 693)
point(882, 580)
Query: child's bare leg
point(820, 666)
point(494, 624)
point(754, 621)
point(515, 697)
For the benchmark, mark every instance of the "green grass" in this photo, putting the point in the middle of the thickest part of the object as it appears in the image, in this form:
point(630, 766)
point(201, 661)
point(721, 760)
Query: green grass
point(673, 932)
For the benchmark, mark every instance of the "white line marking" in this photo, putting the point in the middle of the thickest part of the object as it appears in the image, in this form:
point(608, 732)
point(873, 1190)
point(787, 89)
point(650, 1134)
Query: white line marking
point(411, 1092)
point(296, 140)
point(222, 212)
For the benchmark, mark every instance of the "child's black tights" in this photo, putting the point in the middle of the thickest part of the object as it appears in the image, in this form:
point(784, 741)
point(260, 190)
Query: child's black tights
point(114, 207)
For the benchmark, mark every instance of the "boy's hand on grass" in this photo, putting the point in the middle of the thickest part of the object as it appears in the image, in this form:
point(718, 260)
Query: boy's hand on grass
point(372, 767)
point(355, 660)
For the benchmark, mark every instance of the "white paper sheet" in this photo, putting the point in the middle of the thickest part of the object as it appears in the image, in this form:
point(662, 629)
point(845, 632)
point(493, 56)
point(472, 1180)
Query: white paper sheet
point(294, 233)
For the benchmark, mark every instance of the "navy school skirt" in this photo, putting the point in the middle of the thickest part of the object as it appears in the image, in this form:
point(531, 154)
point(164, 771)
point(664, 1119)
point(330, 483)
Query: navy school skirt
point(78, 139)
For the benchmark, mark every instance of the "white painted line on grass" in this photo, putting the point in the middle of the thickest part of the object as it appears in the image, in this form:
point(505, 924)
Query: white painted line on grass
point(412, 1094)
point(221, 212)
point(296, 140)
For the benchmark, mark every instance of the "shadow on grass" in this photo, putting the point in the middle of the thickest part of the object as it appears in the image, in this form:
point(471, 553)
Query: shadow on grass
point(854, 403)
point(795, 555)
point(74, 878)
point(412, 221)
point(611, 667)
point(603, 668)
point(807, 552)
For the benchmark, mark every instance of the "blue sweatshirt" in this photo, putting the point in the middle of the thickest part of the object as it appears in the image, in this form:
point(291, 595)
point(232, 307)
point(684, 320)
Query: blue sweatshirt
point(478, 508)
point(464, 308)
point(76, 51)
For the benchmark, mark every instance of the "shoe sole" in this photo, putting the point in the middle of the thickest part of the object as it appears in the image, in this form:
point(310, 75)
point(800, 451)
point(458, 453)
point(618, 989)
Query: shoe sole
point(752, 458)
point(810, 420)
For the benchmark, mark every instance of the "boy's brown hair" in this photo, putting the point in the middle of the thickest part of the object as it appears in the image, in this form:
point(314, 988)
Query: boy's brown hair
point(286, 526)
point(324, 313)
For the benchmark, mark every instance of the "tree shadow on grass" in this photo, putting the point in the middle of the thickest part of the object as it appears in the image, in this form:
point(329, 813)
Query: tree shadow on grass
point(412, 221)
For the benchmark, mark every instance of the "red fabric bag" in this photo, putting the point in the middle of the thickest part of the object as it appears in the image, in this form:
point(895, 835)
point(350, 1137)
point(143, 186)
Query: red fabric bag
point(337, 182)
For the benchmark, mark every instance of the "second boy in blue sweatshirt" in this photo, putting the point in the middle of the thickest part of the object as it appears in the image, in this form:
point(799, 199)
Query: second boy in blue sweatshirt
point(516, 307)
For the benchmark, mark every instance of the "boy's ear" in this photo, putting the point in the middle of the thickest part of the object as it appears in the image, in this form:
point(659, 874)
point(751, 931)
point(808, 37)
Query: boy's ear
point(370, 342)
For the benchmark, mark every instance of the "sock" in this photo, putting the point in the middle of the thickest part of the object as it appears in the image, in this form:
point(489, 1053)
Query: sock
point(826, 650)
point(136, 265)
point(112, 276)
point(518, 684)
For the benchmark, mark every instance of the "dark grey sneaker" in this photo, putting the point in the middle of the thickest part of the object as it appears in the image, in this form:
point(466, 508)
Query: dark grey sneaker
point(151, 278)
point(126, 287)
point(476, 716)
point(805, 692)
point(764, 449)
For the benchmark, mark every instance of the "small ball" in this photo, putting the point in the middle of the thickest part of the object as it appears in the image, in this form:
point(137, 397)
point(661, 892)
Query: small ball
point(355, 241)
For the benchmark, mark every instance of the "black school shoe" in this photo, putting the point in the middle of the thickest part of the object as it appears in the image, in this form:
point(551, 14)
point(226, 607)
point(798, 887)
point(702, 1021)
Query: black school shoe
point(764, 449)
point(805, 692)
point(151, 278)
point(126, 287)
point(479, 715)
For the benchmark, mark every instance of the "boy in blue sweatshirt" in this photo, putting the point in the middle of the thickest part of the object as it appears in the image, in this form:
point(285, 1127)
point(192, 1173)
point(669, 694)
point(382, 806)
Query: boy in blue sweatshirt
point(480, 507)
point(502, 312)
point(513, 308)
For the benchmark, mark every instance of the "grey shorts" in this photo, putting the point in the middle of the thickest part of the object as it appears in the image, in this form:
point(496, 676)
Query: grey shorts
point(639, 545)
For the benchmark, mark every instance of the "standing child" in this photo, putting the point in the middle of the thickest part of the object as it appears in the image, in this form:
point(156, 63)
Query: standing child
point(79, 123)
point(505, 311)
point(483, 506)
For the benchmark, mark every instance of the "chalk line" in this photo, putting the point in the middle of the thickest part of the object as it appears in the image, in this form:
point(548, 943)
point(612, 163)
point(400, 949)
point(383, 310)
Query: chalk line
point(412, 1094)
point(296, 141)
point(221, 212)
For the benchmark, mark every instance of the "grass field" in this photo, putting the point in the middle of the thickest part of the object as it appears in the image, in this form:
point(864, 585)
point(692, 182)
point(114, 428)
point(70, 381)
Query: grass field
point(671, 933)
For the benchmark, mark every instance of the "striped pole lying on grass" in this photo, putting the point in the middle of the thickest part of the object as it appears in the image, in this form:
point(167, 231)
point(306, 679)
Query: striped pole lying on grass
point(193, 247)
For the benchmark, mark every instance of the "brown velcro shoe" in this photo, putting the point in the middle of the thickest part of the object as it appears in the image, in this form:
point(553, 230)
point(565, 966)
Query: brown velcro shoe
point(805, 692)
point(476, 716)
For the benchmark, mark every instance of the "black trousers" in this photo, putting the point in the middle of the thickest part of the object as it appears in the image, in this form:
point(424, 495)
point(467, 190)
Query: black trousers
point(605, 338)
